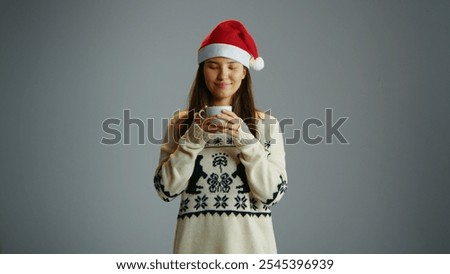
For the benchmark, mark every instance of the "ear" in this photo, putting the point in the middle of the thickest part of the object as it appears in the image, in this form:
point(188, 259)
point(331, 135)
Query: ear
point(244, 73)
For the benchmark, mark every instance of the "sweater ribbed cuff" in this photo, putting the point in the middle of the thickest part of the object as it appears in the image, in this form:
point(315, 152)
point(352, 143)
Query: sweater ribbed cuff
point(244, 137)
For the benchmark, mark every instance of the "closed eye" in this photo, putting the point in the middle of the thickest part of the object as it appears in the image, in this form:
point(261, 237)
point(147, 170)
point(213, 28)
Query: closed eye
point(212, 66)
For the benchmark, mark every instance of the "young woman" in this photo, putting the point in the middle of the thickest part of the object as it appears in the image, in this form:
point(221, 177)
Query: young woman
point(228, 174)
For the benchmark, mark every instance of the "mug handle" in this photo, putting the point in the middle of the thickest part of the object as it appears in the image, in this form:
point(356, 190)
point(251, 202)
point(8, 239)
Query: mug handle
point(201, 113)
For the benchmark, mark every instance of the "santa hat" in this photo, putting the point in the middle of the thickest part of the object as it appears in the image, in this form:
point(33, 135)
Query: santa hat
point(231, 39)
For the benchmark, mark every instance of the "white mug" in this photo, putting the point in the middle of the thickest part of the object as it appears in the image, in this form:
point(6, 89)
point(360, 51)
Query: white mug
point(212, 111)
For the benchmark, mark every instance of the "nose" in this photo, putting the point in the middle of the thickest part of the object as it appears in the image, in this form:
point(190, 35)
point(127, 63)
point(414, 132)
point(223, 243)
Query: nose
point(223, 73)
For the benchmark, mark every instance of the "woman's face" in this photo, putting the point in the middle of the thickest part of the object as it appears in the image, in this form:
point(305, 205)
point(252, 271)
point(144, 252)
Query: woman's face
point(223, 77)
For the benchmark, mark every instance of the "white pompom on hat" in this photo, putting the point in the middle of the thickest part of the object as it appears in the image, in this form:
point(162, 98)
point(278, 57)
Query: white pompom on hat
point(231, 39)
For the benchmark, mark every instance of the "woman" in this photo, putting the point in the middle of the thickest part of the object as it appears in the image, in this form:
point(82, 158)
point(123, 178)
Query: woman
point(228, 174)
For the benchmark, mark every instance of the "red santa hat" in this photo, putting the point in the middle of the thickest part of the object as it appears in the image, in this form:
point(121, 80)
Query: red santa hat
point(231, 39)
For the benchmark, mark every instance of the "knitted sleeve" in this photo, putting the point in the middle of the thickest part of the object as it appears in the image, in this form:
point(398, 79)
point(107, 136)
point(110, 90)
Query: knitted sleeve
point(264, 160)
point(177, 159)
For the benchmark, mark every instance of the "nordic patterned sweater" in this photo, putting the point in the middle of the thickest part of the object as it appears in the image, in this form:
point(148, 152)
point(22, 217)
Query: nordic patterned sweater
point(227, 187)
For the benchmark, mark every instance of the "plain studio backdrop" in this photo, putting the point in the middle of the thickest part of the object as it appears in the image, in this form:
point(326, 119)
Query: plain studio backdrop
point(67, 66)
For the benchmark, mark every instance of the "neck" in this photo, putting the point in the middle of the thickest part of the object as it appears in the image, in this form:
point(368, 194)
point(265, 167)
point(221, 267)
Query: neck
point(223, 102)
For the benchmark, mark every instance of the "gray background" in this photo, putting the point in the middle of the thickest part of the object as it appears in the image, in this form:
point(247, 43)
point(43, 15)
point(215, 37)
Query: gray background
point(65, 66)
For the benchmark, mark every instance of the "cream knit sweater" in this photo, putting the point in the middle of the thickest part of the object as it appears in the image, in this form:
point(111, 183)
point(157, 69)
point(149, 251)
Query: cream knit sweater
point(227, 187)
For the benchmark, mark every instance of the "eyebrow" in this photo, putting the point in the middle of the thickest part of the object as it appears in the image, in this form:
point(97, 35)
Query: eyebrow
point(218, 63)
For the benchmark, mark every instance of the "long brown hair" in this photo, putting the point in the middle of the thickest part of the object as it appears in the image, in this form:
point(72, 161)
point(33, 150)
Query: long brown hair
point(199, 96)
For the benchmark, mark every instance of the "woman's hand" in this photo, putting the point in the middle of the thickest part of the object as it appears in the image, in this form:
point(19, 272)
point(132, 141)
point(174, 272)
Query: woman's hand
point(229, 123)
point(232, 122)
point(206, 124)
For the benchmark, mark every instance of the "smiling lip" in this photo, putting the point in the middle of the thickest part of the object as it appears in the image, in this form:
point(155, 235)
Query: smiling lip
point(222, 85)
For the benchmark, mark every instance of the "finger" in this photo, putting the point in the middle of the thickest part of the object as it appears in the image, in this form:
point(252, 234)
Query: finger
point(213, 125)
point(230, 113)
point(235, 123)
point(230, 126)
point(224, 116)
point(229, 117)
point(235, 126)
point(209, 120)
point(230, 131)
point(212, 128)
